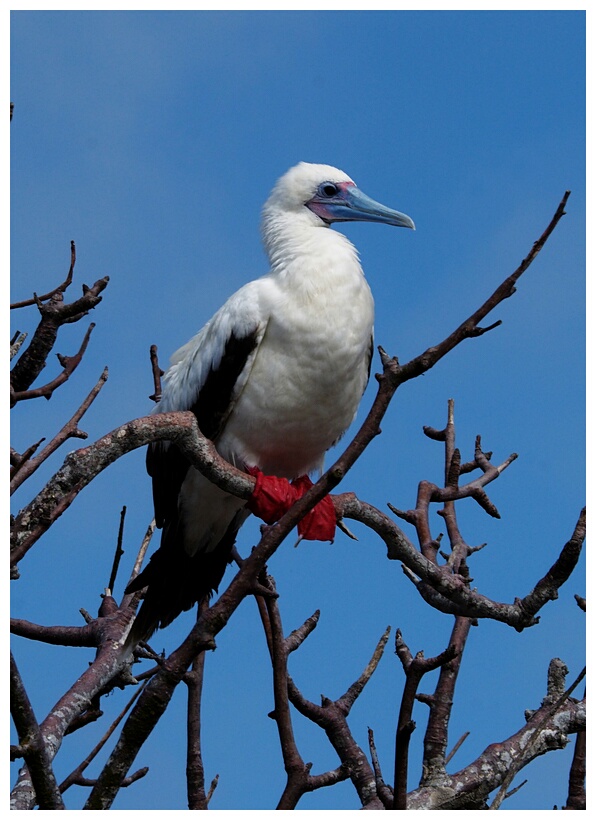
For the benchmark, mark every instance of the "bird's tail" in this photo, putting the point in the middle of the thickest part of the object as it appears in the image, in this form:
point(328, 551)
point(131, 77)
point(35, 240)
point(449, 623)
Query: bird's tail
point(175, 581)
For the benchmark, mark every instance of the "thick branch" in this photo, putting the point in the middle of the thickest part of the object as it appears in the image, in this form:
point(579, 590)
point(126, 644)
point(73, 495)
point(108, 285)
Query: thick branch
point(82, 466)
point(547, 729)
point(415, 668)
point(435, 738)
point(56, 635)
point(77, 700)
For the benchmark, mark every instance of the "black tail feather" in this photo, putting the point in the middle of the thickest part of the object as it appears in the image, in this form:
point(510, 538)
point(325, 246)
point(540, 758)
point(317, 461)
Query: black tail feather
point(176, 581)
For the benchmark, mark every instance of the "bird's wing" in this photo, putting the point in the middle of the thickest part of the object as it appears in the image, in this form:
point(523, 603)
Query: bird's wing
point(207, 376)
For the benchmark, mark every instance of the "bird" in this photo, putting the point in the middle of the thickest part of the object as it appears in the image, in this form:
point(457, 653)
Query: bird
point(274, 379)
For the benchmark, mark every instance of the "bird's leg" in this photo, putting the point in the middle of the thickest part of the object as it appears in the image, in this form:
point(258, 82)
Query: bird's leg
point(273, 496)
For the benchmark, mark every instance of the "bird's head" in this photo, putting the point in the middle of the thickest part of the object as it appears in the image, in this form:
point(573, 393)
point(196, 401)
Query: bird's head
point(326, 194)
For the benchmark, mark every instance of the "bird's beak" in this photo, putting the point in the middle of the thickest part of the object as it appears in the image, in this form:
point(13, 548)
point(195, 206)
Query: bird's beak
point(350, 204)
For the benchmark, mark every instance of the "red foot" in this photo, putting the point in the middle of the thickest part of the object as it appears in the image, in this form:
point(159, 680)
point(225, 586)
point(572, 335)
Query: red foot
point(272, 497)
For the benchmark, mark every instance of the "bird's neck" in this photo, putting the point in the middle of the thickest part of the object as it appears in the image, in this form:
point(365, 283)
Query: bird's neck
point(302, 252)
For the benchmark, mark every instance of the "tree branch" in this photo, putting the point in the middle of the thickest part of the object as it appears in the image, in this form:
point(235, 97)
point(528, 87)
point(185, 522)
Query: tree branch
point(38, 767)
point(27, 466)
point(69, 365)
point(60, 289)
point(54, 314)
point(547, 729)
point(415, 668)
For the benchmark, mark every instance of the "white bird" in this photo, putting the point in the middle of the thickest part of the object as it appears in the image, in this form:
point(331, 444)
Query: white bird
point(274, 378)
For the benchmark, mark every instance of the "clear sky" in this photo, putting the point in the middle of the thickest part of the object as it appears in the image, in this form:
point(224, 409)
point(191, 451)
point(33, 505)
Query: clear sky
point(152, 139)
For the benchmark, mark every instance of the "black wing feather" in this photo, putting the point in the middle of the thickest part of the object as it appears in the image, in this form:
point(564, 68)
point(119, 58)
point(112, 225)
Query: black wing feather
point(174, 579)
point(165, 463)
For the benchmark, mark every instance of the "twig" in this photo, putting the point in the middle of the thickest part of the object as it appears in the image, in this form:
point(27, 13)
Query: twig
point(140, 558)
point(16, 343)
point(70, 430)
point(384, 791)
point(17, 460)
point(212, 788)
point(54, 314)
point(581, 602)
point(453, 752)
point(69, 365)
point(157, 374)
point(60, 289)
point(119, 551)
point(74, 776)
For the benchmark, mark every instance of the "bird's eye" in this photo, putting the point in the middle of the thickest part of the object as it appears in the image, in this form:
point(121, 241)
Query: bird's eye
point(328, 189)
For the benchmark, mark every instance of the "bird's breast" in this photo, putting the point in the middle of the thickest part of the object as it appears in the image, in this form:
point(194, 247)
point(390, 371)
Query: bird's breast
point(306, 381)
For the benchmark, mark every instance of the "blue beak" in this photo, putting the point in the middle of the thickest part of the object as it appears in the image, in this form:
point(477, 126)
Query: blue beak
point(349, 204)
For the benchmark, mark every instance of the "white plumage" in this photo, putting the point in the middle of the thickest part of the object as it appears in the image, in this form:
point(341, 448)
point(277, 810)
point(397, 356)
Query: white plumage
point(275, 378)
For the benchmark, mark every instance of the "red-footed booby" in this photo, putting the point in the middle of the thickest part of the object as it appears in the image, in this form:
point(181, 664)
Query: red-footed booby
point(274, 379)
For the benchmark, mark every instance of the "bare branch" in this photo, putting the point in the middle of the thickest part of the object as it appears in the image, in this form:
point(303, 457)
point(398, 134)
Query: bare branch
point(54, 314)
point(468, 328)
point(415, 668)
point(82, 466)
point(435, 738)
point(32, 745)
point(384, 791)
point(16, 343)
point(69, 365)
point(157, 374)
point(75, 775)
point(119, 551)
point(547, 588)
point(298, 636)
point(57, 635)
point(60, 289)
point(105, 669)
point(70, 430)
point(195, 772)
point(576, 798)
point(347, 700)
point(538, 721)
point(296, 769)
point(455, 749)
point(454, 589)
point(547, 729)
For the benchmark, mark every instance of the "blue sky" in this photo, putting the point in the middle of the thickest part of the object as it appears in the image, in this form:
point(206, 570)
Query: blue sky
point(152, 139)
